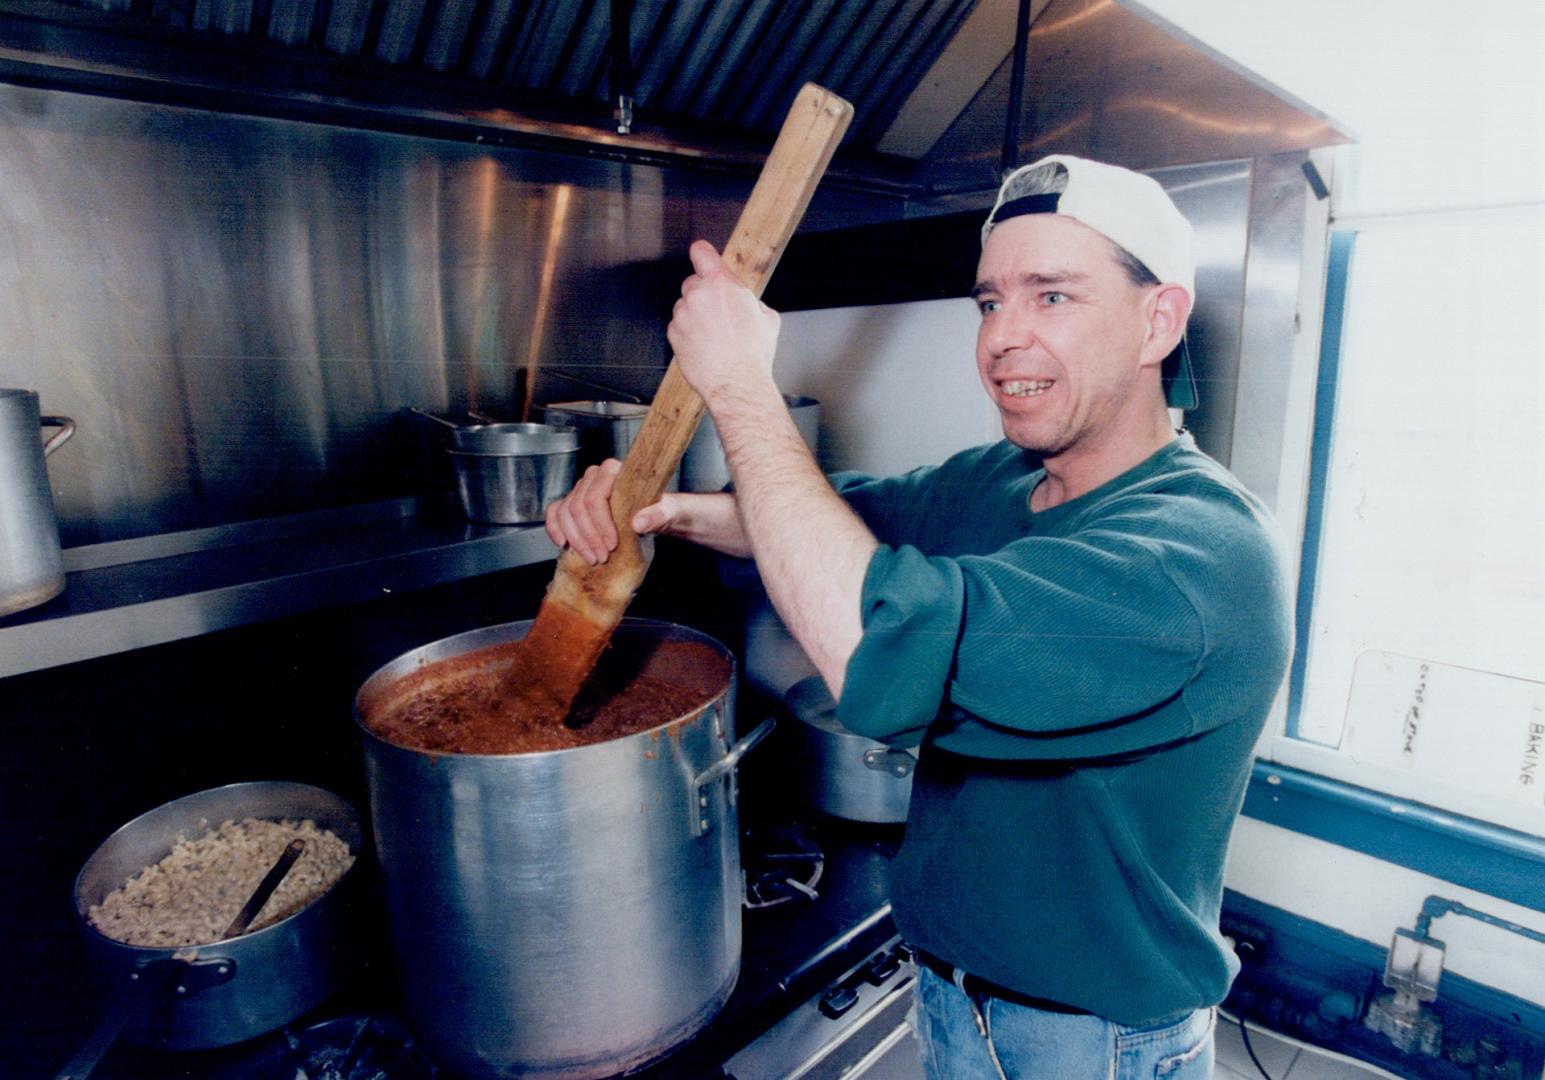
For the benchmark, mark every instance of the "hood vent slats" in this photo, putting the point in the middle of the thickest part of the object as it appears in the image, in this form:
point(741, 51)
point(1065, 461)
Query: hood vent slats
point(929, 79)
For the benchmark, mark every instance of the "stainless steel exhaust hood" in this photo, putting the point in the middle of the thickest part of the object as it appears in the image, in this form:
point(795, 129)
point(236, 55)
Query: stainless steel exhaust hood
point(244, 235)
point(1110, 80)
point(711, 78)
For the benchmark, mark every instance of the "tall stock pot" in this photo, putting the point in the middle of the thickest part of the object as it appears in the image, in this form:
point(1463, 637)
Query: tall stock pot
point(31, 566)
point(569, 913)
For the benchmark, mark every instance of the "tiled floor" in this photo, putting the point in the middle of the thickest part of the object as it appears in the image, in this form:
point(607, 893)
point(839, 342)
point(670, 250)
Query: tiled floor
point(1282, 1060)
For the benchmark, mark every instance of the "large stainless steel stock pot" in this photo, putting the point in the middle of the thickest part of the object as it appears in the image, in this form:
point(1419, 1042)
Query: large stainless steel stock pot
point(569, 913)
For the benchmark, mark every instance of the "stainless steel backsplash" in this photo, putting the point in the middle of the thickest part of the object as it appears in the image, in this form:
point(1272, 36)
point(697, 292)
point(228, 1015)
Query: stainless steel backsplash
point(239, 312)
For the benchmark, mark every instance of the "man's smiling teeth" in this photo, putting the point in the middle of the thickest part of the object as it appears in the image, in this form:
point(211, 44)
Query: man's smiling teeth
point(1026, 387)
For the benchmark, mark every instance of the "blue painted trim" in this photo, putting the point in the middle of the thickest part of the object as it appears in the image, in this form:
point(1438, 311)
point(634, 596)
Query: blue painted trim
point(1476, 854)
point(1321, 954)
point(1340, 264)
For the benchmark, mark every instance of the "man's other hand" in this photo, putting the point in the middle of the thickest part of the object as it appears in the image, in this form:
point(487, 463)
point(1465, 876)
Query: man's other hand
point(582, 519)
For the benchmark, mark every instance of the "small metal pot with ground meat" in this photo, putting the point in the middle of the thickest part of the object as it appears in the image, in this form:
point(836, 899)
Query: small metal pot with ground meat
point(198, 997)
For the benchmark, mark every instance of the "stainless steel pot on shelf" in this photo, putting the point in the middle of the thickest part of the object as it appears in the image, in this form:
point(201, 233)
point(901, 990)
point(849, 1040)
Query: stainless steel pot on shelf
point(506, 474)
point(31, 564)
point(606, 428)
point(571, 913)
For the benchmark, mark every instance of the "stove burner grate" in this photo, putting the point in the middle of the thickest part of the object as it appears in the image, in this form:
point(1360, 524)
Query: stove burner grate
point(355, 1047)
point(782, 865)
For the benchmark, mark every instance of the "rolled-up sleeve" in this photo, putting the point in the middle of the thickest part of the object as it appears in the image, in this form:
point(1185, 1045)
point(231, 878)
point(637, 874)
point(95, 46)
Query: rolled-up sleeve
point(1051, 647)
point(896, 679)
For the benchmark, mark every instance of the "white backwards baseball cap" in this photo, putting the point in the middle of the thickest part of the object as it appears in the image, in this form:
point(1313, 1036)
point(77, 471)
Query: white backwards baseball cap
point(1129, 209)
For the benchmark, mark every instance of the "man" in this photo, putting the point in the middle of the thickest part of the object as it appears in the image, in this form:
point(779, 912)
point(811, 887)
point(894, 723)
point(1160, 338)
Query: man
point(1086, 650)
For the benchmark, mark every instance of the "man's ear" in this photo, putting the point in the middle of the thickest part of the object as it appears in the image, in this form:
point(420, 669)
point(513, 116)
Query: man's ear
point(1168, 309)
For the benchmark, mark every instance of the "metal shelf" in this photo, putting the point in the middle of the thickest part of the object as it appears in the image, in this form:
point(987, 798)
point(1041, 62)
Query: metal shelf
point(129, 594)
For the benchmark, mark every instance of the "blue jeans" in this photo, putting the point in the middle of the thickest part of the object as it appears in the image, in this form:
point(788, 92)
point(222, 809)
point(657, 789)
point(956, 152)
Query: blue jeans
point(1021, 1043)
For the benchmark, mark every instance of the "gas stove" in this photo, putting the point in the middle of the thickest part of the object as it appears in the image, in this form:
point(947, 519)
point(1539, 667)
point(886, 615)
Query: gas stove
point(823, 979)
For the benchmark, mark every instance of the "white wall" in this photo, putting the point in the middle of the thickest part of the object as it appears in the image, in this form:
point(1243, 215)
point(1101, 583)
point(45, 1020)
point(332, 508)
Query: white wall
point(1444, 99)
point(897, 383)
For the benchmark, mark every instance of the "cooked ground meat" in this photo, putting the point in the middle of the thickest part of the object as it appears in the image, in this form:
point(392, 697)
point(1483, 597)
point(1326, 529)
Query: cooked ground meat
point(191, 896)
point(459, 705)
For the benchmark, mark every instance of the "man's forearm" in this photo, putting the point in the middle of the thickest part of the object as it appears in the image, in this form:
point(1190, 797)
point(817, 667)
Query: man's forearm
point(811, 549)
point(708, 519)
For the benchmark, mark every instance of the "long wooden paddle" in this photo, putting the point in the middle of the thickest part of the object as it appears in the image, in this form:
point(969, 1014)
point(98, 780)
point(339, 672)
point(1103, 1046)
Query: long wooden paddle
point(585, 603)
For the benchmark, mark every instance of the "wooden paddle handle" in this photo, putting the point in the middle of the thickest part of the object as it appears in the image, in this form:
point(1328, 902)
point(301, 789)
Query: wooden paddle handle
point(810, 134)
point(814, 126)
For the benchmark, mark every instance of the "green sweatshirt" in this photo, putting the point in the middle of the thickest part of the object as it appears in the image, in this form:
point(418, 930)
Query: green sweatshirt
point(1087, 684)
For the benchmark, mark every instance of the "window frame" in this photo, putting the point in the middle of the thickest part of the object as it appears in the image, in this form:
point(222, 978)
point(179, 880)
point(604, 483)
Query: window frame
point(1307, 439)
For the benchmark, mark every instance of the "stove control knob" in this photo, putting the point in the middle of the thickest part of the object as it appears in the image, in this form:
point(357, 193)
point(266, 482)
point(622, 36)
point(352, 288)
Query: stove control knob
point(882, 967)
point(838, 1000)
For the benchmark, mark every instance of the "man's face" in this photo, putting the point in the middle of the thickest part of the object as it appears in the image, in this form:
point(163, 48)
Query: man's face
point(1062, 336)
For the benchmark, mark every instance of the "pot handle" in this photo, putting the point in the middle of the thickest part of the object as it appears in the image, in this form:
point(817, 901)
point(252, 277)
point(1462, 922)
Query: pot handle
point(66, 428)
point(721, 768)
point(153, 984)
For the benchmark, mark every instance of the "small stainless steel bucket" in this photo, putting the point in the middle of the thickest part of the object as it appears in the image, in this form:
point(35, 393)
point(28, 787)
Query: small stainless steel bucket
point(606, 429)
point(507, 474)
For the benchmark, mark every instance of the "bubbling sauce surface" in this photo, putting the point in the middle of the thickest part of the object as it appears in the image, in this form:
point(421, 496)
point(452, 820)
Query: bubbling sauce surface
point(456, 705)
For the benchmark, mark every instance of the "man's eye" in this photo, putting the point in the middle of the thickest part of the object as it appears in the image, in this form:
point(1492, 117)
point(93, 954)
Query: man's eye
point(987, 307)
point(1054, 298)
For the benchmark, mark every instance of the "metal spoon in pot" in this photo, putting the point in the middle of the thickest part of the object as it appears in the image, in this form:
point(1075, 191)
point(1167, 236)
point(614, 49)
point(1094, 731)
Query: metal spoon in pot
point(265, 889)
